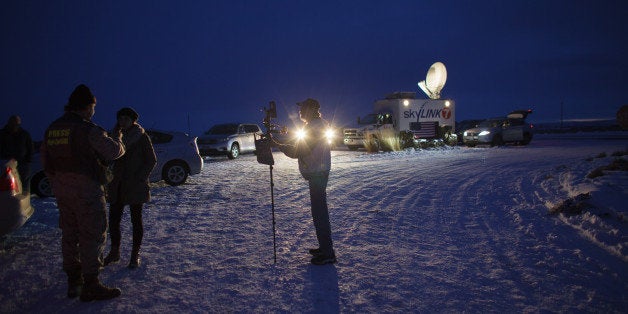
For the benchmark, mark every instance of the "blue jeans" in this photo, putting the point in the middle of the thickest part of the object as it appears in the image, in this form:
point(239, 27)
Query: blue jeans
point(320, 213)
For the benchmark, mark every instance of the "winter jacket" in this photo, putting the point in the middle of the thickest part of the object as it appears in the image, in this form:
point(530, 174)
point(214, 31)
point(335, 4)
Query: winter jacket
point(18, 145)
point(78, 146)
point(131, 172)
point(313, 152)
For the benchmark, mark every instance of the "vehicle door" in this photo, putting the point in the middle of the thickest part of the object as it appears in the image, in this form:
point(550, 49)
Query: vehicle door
point(513, 130)
point(249, 133)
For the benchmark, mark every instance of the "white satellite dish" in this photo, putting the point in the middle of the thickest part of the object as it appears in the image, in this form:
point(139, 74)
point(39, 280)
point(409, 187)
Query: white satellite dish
point(434, 81)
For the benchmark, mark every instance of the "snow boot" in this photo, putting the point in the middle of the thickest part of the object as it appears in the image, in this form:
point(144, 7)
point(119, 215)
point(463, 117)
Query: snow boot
point(135, 258)
point(316, 251)
point(323, 259)
point(113, 256)
point(94, 290)
point(75, 284)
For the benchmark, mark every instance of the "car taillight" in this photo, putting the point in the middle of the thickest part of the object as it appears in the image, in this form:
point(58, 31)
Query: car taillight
point(193, 144)
point(7, 182)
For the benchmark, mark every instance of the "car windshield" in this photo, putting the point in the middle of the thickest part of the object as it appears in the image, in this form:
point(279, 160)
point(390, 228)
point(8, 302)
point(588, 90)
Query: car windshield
point(223, 129)
point(490, 123)
point(368, 119)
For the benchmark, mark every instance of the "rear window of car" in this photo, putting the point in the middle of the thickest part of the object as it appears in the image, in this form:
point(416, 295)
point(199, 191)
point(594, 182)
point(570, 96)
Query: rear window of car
point(251, 128)
point(223, 129)
point(159, 137)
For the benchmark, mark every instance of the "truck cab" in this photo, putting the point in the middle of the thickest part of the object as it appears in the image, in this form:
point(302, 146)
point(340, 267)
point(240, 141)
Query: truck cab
point(353, 137)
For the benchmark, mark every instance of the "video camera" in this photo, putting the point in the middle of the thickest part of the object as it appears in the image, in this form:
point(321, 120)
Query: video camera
point(263, 144)
point(271, 113)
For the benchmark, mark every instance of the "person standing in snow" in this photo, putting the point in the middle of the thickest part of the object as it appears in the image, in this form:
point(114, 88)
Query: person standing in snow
point(130, 184)
point(74, 154)
point(16, 143)
point(313, 154)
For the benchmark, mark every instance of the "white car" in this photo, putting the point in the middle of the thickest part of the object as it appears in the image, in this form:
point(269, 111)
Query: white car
point(231, 139)
point(499, 131)
point(15, 207)
point(177, 158)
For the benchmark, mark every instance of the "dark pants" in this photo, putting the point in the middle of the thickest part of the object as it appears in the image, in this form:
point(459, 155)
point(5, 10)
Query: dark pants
point(320, 213)
point(115, 216)
point(83, 223)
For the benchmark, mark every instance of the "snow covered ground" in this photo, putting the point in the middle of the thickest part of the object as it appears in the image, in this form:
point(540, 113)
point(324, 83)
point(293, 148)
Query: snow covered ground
point(443, 230)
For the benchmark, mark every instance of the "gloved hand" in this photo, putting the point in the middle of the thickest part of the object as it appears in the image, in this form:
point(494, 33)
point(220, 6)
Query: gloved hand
point(116, 133)
point(272, 141)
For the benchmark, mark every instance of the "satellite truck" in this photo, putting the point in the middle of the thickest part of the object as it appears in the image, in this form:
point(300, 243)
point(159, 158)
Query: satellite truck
point(401, 120)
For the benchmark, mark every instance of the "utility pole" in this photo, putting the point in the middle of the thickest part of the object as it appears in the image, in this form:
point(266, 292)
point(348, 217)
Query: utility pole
point(561, 115)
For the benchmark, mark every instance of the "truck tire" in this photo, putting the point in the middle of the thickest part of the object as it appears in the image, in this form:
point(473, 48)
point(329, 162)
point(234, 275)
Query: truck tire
point(526, 139)
point(372, 145)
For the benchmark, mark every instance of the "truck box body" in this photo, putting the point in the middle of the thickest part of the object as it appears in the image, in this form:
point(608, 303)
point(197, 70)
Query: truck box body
point(423, 119)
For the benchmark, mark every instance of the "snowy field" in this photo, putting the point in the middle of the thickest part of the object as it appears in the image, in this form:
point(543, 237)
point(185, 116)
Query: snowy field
point(443, 230)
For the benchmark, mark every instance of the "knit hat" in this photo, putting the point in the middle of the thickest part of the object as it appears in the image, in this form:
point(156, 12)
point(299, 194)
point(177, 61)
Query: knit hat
point(80, 98)
point(128, 112)
point(309, 104)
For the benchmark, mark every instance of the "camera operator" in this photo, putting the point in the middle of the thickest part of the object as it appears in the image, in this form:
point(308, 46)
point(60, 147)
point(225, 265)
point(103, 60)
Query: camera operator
point(313, 153)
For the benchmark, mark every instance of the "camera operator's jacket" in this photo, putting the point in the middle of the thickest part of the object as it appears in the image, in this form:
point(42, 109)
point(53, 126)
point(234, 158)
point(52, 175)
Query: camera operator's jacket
point(313, 151)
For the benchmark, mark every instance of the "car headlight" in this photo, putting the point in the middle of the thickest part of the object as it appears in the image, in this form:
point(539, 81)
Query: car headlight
point(465, 133)
point(485, 133)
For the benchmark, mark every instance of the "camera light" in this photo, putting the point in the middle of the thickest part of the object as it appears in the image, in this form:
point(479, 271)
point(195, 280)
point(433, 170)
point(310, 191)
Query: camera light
point(300, 134)
point(329, 135)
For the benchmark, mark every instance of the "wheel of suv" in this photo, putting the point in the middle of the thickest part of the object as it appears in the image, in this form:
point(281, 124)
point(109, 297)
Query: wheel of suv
point(526, 139)
point(175, 173)
point(234, 152)
point(40, 185)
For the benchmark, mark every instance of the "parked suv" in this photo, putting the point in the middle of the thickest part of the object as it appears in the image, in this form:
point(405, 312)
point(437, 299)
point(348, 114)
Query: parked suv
point(231, 139)
point(498, 131)
point(177, 158)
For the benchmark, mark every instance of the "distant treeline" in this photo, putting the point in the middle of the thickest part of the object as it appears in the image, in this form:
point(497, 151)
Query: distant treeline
point(578, 126)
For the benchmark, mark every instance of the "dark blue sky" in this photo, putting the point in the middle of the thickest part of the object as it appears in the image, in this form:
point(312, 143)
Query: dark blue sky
point(220, 61)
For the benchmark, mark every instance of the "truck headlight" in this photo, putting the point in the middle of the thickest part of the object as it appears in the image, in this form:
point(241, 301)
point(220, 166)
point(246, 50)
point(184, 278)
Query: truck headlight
point(485, 133)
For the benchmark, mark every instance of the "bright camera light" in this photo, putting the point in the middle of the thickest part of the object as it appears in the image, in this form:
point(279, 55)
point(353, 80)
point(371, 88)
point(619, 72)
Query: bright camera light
point(299, 134)
point(329, 135)
point(447, 103)
point(485, 133)
point(406, 102)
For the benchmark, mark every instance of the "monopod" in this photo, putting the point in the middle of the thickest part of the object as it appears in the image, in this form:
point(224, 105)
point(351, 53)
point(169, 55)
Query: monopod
point(263, 151)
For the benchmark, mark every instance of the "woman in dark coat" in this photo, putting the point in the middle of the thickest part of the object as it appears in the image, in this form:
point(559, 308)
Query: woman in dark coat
point(130, 184)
